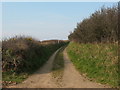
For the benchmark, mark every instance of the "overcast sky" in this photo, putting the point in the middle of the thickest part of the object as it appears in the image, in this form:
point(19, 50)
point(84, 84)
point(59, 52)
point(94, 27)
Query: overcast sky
point(45, 21)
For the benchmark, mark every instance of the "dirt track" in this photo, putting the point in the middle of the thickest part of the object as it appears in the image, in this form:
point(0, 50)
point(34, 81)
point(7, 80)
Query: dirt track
point(71, 78)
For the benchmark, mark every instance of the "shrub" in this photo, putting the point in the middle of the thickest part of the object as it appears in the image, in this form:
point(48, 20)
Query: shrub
point(25, 54)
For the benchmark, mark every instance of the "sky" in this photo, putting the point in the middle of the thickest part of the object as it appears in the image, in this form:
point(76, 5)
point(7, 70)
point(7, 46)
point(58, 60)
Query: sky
point(45, 20)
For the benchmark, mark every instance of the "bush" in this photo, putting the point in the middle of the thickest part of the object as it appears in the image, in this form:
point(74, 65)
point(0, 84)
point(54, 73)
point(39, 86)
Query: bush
point(25, 54)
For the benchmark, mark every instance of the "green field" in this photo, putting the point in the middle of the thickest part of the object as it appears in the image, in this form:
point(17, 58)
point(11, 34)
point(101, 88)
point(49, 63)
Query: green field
point(99, 62)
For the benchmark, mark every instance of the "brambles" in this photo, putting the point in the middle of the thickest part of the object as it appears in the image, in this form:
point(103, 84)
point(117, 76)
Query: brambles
point(25, 55)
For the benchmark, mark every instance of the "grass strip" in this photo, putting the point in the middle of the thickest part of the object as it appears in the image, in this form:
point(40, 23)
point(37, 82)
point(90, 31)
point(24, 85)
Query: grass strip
point(58, 66)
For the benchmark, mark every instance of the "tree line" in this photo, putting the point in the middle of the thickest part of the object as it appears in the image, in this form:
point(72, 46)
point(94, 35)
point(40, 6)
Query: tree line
point(101, 26)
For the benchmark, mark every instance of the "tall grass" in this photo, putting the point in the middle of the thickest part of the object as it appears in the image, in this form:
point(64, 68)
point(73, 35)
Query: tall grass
point(97, 61)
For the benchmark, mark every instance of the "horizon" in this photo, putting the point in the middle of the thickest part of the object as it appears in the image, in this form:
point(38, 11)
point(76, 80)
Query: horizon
point(48, 20)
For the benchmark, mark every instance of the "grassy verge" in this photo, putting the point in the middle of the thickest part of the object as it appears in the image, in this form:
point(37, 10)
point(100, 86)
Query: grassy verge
point(97, 61)
point(58, 66)
point(11, 79)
